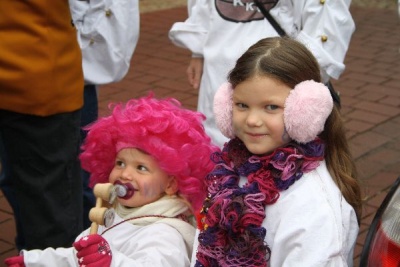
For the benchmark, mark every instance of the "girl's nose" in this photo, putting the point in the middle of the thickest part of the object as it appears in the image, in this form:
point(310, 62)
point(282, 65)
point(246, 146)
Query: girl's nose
point(253, 119)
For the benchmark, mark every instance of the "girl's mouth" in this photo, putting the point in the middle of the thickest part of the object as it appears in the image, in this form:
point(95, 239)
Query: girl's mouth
point(124, 191)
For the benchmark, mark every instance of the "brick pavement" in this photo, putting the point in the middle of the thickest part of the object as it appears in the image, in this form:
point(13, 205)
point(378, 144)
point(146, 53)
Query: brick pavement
point(369, 89)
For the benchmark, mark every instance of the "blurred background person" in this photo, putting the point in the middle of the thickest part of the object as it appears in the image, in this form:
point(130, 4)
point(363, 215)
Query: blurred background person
point(41, 95)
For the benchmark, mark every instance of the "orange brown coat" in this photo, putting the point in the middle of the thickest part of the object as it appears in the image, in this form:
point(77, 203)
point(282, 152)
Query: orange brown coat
point(40, 60)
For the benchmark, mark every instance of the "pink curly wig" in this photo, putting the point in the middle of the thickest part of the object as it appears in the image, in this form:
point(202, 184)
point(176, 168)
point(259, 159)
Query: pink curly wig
point(174, 136)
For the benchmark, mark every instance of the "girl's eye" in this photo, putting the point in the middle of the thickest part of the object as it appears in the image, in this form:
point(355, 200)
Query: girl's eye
point(272, 107)
point(241, 105)
point(142, 168)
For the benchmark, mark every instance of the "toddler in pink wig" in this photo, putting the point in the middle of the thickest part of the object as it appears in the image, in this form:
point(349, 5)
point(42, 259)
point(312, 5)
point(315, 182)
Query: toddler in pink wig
point(160, 154)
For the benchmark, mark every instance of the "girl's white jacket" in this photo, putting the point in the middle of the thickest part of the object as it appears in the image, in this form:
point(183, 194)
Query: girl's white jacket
point(310, 225)
point(325, 27)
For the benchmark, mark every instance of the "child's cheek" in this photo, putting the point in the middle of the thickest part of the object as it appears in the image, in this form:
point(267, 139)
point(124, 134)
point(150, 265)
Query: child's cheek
point(285, 136)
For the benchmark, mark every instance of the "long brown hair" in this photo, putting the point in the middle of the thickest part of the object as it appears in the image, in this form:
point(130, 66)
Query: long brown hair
point(291, 62)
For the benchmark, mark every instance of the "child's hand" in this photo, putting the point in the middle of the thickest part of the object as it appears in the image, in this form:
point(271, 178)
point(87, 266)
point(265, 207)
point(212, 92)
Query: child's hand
point(17, 261)
point(93, 251)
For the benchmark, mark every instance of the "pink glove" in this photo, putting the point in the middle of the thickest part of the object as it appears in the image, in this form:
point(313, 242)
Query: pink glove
point(93, 251)
point(17, 261)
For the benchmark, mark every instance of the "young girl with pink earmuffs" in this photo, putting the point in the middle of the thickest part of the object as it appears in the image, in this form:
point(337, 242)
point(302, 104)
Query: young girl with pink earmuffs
point(284, 191)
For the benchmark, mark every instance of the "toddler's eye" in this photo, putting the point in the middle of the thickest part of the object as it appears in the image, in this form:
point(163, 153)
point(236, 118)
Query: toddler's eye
point(142, 168)
point(120, 163)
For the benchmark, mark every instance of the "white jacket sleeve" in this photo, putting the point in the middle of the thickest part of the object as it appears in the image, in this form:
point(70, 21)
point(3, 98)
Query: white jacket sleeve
point(49, 257)
point(107, 31)
point(325, 27)
point(60, 257)
point(190, 4)
point(192, 34)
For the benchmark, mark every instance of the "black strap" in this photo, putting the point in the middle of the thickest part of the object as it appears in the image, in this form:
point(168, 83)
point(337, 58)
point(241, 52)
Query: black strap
point(335, 95)
point(271, 19)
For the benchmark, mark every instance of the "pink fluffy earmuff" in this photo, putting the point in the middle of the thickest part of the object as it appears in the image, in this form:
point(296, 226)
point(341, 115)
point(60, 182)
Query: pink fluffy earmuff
point(306, 109)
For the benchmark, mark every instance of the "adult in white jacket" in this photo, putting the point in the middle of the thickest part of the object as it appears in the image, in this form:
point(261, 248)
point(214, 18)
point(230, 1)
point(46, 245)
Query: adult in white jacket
point(107, 33)
point(218, 32)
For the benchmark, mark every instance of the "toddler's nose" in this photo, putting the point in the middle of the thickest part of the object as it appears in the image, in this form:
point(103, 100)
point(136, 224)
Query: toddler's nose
point(127, 174)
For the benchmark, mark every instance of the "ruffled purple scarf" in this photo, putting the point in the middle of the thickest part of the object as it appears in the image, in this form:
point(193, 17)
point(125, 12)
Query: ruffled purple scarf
point(232, 234)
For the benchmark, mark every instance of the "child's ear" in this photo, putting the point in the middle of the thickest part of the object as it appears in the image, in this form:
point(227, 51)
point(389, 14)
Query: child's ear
point(172, 186)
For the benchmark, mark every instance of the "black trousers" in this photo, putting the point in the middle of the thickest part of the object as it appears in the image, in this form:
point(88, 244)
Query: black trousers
point(89, 115)
point(42, 176)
